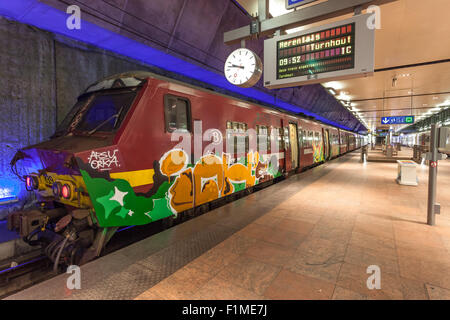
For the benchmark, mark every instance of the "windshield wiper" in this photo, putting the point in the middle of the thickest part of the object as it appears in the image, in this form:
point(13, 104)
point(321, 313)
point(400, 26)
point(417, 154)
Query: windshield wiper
point(117, 116)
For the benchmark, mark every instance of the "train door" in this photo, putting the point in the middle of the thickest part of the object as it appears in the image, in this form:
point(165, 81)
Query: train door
point(300, 145)
point(326, 143)
point(293, 137)
point(287, 147)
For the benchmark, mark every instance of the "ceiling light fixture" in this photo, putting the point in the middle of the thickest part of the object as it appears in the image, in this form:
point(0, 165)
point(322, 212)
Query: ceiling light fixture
point(332, 91)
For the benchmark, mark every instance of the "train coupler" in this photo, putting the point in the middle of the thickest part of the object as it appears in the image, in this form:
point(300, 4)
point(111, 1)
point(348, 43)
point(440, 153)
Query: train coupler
point(27, 221)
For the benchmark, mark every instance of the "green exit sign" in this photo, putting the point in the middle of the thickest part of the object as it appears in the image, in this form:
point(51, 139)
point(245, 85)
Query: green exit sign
point(409, 120)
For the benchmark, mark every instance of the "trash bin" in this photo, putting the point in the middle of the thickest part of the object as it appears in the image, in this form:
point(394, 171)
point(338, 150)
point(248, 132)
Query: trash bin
point(364, 152)
point(407, 174)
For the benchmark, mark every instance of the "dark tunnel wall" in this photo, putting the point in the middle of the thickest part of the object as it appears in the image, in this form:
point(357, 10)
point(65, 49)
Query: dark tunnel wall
point(42, 75)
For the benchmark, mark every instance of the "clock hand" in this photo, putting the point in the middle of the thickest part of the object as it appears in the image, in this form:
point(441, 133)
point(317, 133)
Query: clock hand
point(235, 66)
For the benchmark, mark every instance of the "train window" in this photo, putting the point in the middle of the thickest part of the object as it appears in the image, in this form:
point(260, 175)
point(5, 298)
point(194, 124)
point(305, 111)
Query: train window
point(243, 134)
point(247, 139)
point(305, 139)
point(316, 137)
point(279, 133)
point(302, 132)
point(262, 133)
point(177, 113)
point(105, 112)
point(286, 138)
point(68, 120)
point(237, 134)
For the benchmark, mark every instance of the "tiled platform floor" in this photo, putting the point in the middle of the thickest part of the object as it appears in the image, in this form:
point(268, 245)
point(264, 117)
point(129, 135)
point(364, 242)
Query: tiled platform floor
point(318, 243)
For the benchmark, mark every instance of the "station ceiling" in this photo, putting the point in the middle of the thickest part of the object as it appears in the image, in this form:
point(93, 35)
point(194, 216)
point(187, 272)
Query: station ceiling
point(413, 33)
point(179, 36)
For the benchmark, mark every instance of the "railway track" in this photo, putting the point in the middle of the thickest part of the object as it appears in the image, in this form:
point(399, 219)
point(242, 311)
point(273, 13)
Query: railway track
point(21, 272)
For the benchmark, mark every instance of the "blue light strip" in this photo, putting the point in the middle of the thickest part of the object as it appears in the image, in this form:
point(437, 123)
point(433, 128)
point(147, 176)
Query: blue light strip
point(21, 265)
point(48, 18)
point(125, 228)
point(7, 199)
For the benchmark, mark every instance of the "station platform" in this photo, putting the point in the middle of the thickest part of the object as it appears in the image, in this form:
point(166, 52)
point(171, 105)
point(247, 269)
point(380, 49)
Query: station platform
point(312, 236)
point(377, 155)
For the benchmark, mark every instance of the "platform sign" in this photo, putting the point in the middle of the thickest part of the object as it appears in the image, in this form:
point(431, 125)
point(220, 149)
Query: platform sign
point(297, 3)
point(397, 120)
point(341, 50)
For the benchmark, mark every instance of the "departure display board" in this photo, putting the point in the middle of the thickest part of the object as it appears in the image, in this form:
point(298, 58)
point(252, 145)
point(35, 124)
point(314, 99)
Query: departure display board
point(340, 50)
point(328, 50)
point(297, 3)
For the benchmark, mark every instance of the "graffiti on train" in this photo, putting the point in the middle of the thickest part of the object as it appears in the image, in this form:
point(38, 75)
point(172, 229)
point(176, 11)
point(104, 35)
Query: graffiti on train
point(179, 186)
point(105, 160)
point(318, 151)
point(212, 177)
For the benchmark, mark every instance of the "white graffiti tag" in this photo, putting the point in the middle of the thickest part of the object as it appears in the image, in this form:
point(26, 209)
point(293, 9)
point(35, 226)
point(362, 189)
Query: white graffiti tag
point(103, 160)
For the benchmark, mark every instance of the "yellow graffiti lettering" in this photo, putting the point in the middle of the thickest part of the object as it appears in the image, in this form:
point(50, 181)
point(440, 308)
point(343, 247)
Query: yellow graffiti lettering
point(173, 162)
point(181, 195)
point(210, 179)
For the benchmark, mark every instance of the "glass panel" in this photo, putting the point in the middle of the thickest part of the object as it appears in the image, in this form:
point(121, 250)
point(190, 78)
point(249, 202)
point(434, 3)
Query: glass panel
point(103, 109)
point(64, 125)
point(176, 113)
point(171, 113)
point(182, 114)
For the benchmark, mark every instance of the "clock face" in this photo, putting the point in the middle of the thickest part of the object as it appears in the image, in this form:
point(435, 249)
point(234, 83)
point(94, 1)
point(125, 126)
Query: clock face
point(243, 68)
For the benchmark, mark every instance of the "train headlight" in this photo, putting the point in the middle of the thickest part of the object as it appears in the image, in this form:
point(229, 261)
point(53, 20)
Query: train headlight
point(28, 182)
point(57, 189)
point(31, 183)
point(66, 191)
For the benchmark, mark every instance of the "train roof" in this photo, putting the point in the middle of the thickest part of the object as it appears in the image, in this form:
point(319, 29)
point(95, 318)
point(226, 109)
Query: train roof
point(138, 77)
point(120, 80)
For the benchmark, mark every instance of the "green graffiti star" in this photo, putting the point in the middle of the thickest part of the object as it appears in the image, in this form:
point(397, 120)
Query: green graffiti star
point(108, 205)
point(160, 209)
point(124, 212)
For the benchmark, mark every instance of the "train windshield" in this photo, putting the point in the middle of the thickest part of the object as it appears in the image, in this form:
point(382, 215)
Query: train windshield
point(100, 111)
point(64, 125)
point(106, 112)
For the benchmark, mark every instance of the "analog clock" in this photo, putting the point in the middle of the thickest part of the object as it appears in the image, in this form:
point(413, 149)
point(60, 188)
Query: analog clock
point(243, 68)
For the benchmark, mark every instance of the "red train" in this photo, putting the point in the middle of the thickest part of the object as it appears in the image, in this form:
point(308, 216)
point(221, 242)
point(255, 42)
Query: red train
point(112, 162)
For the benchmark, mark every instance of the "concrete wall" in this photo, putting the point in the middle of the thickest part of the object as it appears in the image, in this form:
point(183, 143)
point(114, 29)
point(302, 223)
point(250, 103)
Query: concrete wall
point(41, 76)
